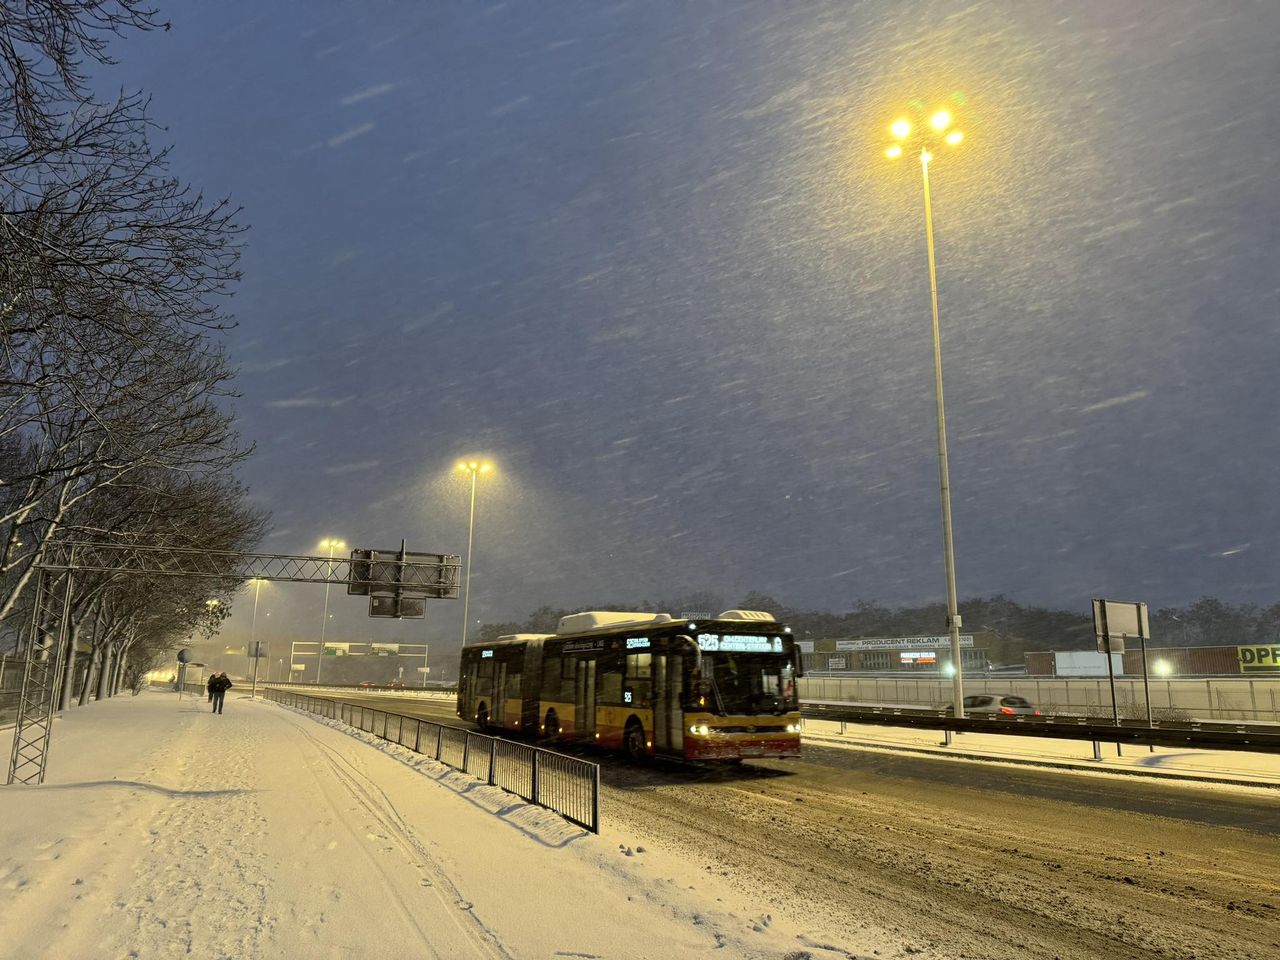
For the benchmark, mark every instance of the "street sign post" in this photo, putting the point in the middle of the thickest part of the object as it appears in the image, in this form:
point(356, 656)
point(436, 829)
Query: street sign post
point(1115, 621)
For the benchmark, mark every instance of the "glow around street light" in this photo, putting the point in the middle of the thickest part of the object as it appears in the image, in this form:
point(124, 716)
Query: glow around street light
point(924, 137)
point(474, 466)
point(330, 544)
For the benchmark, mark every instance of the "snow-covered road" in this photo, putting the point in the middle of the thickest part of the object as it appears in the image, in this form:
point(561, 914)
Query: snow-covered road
point(165, 831)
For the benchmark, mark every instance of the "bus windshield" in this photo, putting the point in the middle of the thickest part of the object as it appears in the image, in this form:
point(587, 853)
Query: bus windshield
point(749, 683)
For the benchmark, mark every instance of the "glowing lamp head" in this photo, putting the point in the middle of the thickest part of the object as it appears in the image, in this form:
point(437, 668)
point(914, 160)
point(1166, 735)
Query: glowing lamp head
point(486, 467)
point(954, 137)
point(900, 128)
point(925, 156)
point(894, 152)
point(940, 120)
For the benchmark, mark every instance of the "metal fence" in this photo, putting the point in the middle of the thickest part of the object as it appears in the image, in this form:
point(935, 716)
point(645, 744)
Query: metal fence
point(566, 785)
point(1215, 698)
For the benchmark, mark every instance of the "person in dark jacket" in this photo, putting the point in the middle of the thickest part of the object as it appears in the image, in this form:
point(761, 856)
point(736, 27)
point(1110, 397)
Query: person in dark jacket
point(209, 686)
point(220, 684)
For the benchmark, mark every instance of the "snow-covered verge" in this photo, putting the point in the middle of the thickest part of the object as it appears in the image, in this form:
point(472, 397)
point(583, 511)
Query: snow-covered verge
point(166, 831)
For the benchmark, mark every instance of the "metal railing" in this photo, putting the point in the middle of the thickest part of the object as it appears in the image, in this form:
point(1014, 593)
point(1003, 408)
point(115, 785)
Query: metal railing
point(1254, 699)
point(1196, 735)
point(566, 785)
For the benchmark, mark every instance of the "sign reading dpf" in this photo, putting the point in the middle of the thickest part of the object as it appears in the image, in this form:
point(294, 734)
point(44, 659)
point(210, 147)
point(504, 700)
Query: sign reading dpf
point(1259, 659)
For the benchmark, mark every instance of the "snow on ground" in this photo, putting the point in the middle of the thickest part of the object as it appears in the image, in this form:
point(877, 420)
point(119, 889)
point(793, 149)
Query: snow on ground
point(165, 831)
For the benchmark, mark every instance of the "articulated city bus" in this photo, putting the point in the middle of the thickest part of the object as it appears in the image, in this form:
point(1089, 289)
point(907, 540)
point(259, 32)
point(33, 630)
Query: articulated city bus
point(646, 684)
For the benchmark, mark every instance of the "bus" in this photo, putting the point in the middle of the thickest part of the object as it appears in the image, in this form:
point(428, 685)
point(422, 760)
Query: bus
point(646, 684)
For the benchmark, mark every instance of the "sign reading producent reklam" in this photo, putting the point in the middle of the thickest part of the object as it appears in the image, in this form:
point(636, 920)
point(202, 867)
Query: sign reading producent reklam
point(1259, 659)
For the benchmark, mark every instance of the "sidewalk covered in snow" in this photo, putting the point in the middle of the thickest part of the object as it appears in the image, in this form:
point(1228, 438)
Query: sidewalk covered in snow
point(166, 831)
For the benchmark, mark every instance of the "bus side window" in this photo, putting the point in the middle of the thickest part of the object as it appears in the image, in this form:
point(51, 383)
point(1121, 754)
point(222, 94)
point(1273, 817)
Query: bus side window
point(610, 686)
point(513, 685)
point(639, 676)
point(551, 667)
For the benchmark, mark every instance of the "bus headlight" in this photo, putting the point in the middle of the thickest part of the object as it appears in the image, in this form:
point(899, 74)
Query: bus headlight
point(793, 728)
point(700, 729)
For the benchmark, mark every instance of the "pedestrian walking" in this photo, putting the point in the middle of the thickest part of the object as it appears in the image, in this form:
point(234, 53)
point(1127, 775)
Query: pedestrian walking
point(220, 684)
point(209, 686)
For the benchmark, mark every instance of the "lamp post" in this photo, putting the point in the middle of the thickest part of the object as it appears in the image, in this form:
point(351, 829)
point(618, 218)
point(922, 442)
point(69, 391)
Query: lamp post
point(330, 545)
point(253, 633)
point(474, 468)
point(929, 136)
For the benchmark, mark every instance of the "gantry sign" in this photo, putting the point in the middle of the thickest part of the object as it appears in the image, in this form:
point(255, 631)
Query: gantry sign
point(408, 579)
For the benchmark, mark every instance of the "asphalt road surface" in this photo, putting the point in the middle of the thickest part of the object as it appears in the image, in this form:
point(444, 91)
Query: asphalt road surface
point(964, 859)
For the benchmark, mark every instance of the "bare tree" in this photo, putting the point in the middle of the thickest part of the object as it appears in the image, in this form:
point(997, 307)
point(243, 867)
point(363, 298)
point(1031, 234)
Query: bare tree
point(43, 46)
point(112, 289)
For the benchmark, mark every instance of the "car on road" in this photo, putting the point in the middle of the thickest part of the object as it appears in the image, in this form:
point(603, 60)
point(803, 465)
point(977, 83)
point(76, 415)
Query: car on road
point(365, 684)
point(997, 704)
point(395, 684)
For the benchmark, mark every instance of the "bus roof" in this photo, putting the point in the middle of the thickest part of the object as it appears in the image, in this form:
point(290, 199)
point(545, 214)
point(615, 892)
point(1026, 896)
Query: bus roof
point(590, 621)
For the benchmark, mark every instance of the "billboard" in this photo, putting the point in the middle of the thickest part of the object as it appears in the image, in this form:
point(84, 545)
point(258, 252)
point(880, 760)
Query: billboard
point(1255, 658)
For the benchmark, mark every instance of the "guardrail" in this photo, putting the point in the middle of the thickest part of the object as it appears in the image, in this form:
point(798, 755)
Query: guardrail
point(565, 785)
point(1212, 735)
point(1240, 699)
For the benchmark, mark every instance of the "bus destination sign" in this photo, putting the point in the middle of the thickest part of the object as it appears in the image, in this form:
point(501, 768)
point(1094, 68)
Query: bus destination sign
point(738, 643)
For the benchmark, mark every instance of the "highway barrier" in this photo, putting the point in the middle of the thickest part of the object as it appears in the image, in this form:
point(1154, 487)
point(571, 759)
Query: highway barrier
point(563, 784)
point(1254, 700)
point(1261, 738)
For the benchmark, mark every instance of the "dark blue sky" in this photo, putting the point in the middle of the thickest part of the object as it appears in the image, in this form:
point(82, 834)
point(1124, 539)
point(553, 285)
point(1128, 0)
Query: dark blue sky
point(649, 257)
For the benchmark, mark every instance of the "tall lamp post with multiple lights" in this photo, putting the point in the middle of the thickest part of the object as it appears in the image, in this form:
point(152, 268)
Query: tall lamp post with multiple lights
point(474, 468)
point(330, 545)
point(928, 136)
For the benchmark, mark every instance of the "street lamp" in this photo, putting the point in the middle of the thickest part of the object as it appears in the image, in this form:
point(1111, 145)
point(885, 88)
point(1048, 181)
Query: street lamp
point(474, 468)
point(929, 135)
point(330, 545)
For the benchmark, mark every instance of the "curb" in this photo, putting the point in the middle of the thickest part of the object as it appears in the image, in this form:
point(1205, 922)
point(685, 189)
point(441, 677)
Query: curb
point(1078, 765)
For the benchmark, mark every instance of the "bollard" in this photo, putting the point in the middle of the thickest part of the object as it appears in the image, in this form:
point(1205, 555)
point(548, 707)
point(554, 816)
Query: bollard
point(1097, 751)
point(946, 738)
point(534, 783)
point(842, 727)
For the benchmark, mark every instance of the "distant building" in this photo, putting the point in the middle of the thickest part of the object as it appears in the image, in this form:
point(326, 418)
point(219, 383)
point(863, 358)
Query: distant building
point(921, 654)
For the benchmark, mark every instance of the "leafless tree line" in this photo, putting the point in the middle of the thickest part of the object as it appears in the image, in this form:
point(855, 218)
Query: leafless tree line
point(114, 382)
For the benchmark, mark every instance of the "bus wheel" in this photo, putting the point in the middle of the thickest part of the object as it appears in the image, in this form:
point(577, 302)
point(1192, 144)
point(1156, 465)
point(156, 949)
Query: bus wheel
point(633, 742)
point(482, 717)
point(551, 729)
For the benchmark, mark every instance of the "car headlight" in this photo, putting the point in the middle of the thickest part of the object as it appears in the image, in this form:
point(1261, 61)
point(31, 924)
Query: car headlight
point(701, 729)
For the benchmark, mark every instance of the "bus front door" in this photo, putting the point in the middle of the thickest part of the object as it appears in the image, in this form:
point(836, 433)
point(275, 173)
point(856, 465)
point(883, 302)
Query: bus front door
point(584, 697)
